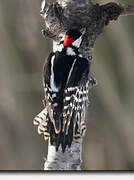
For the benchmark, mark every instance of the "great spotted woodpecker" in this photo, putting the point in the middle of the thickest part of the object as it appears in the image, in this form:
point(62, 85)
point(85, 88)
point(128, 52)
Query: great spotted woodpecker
point(66, 82)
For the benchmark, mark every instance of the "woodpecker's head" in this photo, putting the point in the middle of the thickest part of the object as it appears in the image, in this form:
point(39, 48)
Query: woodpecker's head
point(73, 37)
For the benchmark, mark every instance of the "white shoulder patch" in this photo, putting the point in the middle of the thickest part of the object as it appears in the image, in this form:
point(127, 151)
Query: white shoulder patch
point(77, 42)
point(70, 52)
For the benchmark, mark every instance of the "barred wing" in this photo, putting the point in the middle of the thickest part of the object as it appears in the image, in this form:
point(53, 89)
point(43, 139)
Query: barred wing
point(75, 102)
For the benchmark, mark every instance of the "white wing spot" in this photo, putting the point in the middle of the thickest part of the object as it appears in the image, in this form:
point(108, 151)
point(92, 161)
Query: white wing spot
point(71, 104)
point(65, 107)
point(71, 89)
point(54, 95)
point(68, 98)
point(55, 105)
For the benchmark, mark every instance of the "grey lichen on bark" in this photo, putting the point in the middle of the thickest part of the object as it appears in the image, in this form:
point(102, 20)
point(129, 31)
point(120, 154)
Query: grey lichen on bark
point(69, 160)
point(88, 18)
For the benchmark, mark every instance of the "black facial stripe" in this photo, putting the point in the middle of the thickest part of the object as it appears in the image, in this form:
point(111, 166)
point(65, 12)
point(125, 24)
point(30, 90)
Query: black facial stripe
point(75, 49)
point(61, 42)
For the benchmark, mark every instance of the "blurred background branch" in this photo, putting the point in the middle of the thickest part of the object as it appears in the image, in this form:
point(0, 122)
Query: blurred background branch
point(108, 144)
point(127, 9)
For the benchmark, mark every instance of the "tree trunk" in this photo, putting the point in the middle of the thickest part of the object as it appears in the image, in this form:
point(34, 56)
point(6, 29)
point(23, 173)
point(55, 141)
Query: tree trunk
point(69, 160)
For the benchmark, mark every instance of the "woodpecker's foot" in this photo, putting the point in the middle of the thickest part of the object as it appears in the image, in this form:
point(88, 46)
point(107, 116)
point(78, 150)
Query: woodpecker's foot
point(77, 137)
point(43, 129)
point(46, 135)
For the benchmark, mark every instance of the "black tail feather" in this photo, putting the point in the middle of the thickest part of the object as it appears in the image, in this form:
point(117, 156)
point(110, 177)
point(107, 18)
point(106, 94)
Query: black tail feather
point(58, 141)
point(70, 133)
point(64, 142)
point(61, 138)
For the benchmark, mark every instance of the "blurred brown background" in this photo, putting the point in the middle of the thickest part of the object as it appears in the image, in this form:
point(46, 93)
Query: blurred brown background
point(109, 141)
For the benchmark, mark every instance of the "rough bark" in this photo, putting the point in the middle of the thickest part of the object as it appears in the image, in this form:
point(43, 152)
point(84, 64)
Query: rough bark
point(69, 160)
point(89, 18)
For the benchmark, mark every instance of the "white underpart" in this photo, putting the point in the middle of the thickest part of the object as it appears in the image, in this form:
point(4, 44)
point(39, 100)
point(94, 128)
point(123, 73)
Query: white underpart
point(52, 84)
point(70, 51)
point(77, 42)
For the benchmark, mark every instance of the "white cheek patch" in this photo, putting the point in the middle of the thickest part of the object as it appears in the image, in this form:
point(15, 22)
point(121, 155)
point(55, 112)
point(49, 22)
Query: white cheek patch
point(77, 42)
point(70, 52)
